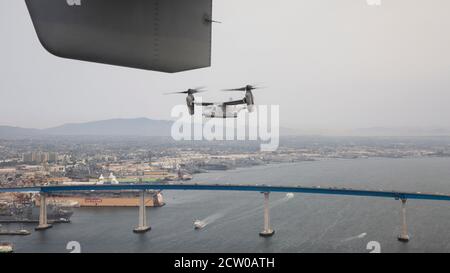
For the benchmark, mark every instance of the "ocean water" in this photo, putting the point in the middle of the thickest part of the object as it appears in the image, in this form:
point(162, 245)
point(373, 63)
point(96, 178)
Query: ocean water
point(302, 222)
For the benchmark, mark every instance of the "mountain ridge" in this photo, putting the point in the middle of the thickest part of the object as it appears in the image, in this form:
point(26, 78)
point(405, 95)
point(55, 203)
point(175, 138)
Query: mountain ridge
point(109, 127)
point(143, 126)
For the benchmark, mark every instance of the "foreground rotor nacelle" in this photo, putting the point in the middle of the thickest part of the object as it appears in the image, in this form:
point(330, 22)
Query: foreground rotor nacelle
point(250, 101)
point(190, 99)
point(160, 35)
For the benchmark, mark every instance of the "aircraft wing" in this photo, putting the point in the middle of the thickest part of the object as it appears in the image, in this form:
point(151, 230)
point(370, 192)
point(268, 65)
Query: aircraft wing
point(236, 102)
point(160, 35)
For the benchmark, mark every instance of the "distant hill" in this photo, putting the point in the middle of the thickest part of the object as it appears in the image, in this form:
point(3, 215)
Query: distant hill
point(112, 127)
point(115, 127)
point(401, 131)
point(11, 132)
point(158, 128)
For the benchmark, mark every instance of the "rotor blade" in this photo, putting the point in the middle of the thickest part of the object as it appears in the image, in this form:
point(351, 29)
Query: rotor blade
point(171, 93)
point(255, 86)
point(198, 91)
point(235, 89)
point(192, 91)
point(245, 88)
point(204, 103)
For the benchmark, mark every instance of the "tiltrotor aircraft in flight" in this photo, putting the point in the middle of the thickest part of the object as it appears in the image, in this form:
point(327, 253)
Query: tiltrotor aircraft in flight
point(228, 109)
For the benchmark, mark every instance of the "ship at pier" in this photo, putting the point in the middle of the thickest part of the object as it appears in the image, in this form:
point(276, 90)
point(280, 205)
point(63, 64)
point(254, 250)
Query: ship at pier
point(106, 198)
point(123, 198)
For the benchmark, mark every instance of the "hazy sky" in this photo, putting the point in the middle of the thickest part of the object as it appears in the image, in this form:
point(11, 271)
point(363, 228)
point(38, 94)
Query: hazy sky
point(329, 64)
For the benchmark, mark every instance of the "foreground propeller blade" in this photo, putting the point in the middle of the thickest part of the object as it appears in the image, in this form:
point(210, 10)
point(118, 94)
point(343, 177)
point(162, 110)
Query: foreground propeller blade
point(253, 87)
point(189, 91)
point(171, 93)
point(196, 91)
point(235, 89)
point(245, 88)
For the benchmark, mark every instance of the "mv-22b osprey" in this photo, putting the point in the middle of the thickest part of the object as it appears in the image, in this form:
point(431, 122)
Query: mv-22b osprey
point(229, 109)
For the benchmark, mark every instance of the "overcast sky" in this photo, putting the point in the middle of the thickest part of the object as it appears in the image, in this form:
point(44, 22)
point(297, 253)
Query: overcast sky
point(329, 64)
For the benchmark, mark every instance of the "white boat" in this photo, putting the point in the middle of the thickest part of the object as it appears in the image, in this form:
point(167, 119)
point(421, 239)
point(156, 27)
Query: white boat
point(198, 224)
point(6, 248)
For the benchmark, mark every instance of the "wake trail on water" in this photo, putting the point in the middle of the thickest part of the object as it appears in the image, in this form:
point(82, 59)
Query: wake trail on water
point(212, 218)
point(206, 221)
point(216, 216)
point(360, 236)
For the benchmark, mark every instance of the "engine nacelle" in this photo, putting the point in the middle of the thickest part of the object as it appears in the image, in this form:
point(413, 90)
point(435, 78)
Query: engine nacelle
point(190, 104)
point(249, 100)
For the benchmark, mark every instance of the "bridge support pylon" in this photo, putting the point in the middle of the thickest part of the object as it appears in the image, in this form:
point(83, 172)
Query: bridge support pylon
point(142, 227)
point(267, 232)
point(43, 224)
point(403, 237)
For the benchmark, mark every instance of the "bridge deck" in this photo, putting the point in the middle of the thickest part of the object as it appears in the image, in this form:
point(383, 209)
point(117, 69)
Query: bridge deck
point(226, 187)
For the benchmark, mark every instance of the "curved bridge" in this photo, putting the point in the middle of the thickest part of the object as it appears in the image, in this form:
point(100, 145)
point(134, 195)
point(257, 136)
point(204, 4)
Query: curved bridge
point(265, 189)
point(230, 187)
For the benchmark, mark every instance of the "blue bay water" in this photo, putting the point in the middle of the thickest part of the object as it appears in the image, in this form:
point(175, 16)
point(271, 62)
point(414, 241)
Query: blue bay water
point(303, 223)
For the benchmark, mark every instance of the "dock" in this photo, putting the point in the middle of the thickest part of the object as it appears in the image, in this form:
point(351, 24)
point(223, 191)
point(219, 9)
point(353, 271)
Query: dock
point(21, 232)
point(26, 221)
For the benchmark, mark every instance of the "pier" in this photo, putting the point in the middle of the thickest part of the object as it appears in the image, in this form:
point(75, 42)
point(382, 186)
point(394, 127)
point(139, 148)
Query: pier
point(15, 232)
